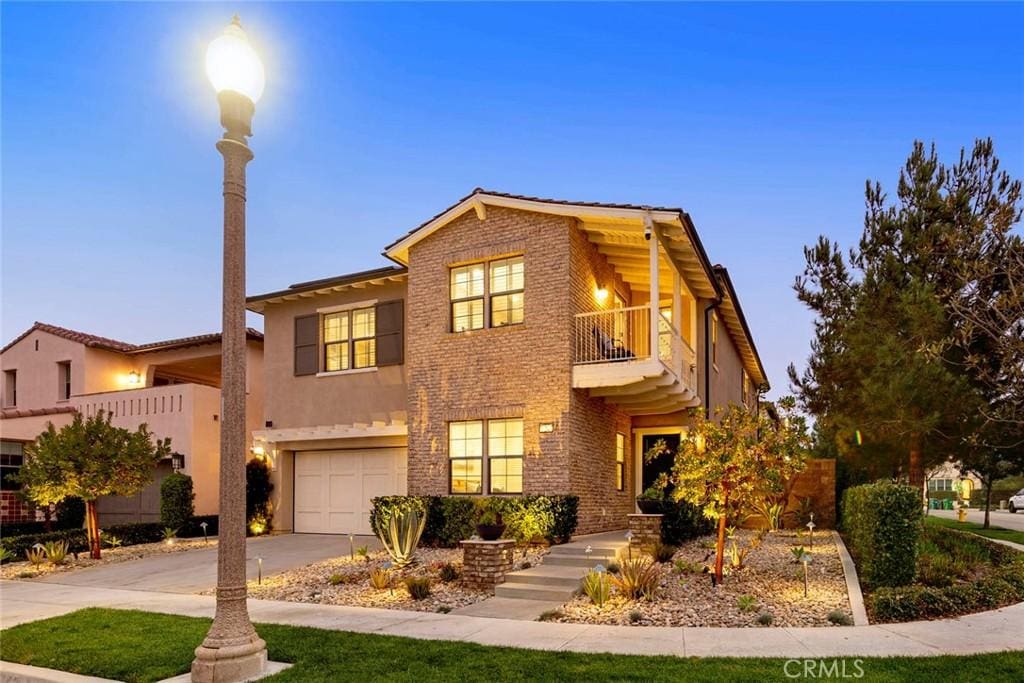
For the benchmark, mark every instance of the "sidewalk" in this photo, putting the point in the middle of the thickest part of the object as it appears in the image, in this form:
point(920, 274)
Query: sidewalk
point(995, 631)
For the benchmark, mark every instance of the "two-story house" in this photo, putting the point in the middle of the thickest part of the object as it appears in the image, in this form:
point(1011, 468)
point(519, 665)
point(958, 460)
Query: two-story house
point(520, 345)
point(50, 373)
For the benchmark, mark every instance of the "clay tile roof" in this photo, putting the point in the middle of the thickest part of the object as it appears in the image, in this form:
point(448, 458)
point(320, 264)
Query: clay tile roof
point(97, 342)
point(9, 413)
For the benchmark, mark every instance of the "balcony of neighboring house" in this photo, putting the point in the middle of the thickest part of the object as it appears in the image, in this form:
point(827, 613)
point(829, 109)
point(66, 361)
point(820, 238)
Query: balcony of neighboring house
point(636, 348)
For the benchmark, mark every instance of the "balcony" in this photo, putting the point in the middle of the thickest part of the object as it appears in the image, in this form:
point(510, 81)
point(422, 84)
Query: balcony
point(616, 357)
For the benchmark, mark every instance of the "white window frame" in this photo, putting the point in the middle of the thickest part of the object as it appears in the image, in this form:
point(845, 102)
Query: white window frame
point(488, 294)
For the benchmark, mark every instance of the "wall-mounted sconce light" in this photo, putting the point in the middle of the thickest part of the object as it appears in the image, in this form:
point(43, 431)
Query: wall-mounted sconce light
point(258, 452)
point(177, 462)
point(601, 294)
point(547, 427)
point(134, 378)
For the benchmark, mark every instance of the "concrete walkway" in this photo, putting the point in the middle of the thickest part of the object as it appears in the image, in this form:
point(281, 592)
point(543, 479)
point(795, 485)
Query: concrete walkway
point(995, 631)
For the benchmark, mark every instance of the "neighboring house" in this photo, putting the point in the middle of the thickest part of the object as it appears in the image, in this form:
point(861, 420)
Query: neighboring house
point(944, 481)
point(513, 349)
point(50, 373)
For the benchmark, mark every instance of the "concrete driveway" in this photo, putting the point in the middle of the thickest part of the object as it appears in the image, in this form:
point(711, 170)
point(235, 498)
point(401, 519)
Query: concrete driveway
point(996, 517)
point(196, 570)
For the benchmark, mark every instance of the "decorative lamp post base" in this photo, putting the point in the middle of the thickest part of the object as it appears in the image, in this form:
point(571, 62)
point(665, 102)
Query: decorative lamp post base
point(245, 662)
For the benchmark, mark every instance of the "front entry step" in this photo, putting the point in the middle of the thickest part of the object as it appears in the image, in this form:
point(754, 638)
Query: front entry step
point(527, 591)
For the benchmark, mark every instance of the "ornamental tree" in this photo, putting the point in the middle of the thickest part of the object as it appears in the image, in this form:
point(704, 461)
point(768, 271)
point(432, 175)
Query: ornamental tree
point(727, 466)
point(90, 458)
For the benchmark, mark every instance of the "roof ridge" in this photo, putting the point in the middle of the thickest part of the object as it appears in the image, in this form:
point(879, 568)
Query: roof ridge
point(106, 343)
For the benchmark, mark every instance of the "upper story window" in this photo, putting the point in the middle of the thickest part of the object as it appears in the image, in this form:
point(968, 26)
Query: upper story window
point(350, 339)
point(64, 380)
point(487, 294)
point(10, 388)
point(940, 485)
point(714, 340)
point(354, 338)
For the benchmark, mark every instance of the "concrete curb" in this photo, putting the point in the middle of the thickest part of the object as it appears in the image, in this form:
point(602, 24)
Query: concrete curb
point(23, 673)
point(860, 613)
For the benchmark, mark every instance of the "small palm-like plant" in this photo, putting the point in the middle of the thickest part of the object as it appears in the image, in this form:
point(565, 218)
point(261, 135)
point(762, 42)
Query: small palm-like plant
point(363, 551)
point(798, 553)
point(56, 552)
point(737, 556)
point(637, 579)
point(402, 535)
point(662, 552)
point(597, 586)
point(36, 555)
point(170, 535)
point(380, 578)
point(5, 554)
point(110, 541)
point(746, 603)
point(418, 587)
point(448, 572)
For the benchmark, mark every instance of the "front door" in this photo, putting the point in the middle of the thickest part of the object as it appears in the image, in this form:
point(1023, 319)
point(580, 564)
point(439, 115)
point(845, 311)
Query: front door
point(662, 462)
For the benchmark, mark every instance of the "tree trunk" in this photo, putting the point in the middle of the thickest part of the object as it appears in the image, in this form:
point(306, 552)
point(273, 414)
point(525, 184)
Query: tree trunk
point(47, 519)
point(916, 469)
point(720, 550)
point(92, 526)
point(988, 502)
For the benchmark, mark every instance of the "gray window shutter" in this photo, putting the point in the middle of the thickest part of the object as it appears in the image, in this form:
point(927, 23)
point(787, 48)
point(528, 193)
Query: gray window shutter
point(390, 333)
point(307, 337)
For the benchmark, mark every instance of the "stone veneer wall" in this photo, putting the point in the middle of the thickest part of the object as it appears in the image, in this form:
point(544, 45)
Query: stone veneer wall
point(517, 371)
point(485, 563)
point(817, 482)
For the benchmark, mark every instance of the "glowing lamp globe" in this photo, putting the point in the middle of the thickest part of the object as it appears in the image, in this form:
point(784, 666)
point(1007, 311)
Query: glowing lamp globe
point(233, 65)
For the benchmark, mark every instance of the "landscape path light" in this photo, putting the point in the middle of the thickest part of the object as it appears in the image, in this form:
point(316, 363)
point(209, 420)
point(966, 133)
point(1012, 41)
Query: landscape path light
point(810, 530)
point(232, 651)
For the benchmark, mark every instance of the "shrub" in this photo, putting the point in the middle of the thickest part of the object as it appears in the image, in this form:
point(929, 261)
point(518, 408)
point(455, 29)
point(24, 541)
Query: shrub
point(635, 616)
point(56, 552)
point(448, 572)
point(765, 618)
point(177, 500)
point(637, 579)
point(443, 609)
point(110, 541)
point(682, 522)
point(71, 513)
point(687, 567)
point(840, 618)
point(613, 567)
point(418, 587)
point(597, 586)
point(35, 556)
point(257, 494)
point(6, 555)
point(1001, 586)
point(883, 523)
point(380, 578)
point(746, 603)
point(335, 579)
point(663, 552)
point(451, 519)
point(170, 534)
point(551, 615)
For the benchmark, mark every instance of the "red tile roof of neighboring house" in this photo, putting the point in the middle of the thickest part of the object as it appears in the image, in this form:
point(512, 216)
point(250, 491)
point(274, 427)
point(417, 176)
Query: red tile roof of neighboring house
point(10, 413)
point(107, 344)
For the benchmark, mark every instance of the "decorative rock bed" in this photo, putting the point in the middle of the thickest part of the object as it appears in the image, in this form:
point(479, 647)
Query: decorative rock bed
point(25, 570)
point(771, 575)
point(313, 583)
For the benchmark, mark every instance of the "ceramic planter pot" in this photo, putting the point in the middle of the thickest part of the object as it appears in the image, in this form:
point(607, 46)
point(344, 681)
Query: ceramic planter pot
point(648, 506)
point(490, 532)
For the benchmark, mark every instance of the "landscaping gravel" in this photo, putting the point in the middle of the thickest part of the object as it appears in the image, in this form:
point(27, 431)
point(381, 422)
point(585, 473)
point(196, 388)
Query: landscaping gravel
point(25, 570)
point(312, 583)
point(771, 575)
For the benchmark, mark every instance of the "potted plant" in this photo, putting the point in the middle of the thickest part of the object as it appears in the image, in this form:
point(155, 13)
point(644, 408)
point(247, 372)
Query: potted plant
point(489, 525)
point(650, 500)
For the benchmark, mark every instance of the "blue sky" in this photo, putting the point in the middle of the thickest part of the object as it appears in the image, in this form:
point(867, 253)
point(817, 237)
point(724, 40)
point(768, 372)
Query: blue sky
point(763, 121)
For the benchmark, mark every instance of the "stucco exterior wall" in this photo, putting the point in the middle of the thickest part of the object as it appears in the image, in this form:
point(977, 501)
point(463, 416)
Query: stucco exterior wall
point(38, 383)
point(328, 400)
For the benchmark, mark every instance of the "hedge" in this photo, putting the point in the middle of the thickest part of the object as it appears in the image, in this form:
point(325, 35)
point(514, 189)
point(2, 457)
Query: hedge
point(177, 500)
point(130, 534)
point(882, 523)
point(451, 519)
point(1003, 586)
point(682, 522)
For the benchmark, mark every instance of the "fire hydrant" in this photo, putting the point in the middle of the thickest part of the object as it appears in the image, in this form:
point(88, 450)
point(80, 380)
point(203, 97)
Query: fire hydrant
point(961, 513)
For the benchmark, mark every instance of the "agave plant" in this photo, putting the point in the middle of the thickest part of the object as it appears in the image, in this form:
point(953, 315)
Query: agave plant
point(402, 534)
point(597, 586)
point(36, 555)
point(5, 554)
point(56, 552)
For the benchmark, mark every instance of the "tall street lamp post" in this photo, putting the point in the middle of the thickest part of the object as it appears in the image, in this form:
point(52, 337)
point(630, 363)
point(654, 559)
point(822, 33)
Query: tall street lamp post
point(232, 651)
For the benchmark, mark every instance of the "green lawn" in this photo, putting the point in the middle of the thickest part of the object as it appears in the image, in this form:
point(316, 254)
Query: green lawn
point(142, 646)
point(975, 528)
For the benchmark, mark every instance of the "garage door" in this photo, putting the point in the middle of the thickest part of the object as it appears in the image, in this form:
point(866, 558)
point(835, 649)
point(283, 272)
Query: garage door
point(333, 489)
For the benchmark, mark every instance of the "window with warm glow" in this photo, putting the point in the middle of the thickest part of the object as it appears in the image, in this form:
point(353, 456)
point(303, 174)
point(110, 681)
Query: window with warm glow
point(505, 455)
point(350, 339)
point(620, 461)
point(714, 340)
point(466, 456)
point(487, 295)
point(745, 389)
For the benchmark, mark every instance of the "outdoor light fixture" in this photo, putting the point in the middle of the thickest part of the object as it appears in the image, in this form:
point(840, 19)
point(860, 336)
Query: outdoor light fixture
point(810, 529)
point(177, 461)
point(232, 651)
point(206, 538)
point(601, 294)
point(805, 560)
point(258, 452)
point(547, 427)
point(134, 378)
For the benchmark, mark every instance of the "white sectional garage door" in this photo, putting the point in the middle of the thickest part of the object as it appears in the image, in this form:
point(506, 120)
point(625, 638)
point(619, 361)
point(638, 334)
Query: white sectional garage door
point(333, 489)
